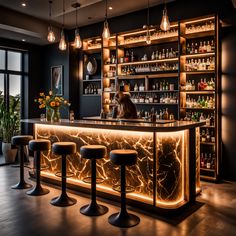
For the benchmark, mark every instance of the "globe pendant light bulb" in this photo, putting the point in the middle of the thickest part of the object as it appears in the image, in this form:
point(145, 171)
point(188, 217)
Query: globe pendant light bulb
point(62, 44)
point(106, 31)
point(77, 42)
point(148, 37)
point(165, 23)
point(51, 36)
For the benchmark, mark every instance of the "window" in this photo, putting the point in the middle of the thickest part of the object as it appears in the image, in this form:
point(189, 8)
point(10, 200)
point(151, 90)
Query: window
point(12, 71)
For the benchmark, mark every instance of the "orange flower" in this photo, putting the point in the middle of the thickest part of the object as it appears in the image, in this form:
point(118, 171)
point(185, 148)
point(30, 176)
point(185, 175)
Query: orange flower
point(52, 104)
point(57, 104)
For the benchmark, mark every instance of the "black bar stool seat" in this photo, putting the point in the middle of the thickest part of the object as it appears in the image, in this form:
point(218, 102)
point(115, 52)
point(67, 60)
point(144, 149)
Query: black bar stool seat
point(93, 152)
point(123, 158)
point(38, 146)
point(63, 149)
point(21, 141)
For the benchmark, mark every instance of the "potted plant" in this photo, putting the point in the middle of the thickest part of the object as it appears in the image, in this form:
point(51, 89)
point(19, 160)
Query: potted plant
point(9, 126)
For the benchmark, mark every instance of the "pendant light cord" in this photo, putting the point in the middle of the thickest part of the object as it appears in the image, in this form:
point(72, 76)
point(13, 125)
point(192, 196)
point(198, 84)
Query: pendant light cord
point(63, 14)
point(76, 17)
point(148, 15)
point(106, 11)
point(50, 12)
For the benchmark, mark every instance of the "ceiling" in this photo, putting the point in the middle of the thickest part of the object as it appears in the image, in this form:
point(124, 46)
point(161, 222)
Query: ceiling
point(90, 11)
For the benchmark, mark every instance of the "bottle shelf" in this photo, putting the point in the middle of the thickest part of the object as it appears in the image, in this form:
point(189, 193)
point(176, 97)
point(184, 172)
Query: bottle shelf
point(197, 108)
point(199, 72)
point(111, 78)
point(208, 126)
point(111, 64)
point(92, 80)
point(198, 55)
point(155, 91)
point(113, 47)
point(91, 95)
point(207, 169)
point(162, 104)
point(208, 178)
point(199, 34)
point(141, 43)
point(149, 61)
point(92, 50)
point(198, 91)
point(207, 143)
point(160, 75)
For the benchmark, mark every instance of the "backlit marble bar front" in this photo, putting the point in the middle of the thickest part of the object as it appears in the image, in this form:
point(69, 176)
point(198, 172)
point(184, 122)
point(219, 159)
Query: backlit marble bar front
point(166, 174)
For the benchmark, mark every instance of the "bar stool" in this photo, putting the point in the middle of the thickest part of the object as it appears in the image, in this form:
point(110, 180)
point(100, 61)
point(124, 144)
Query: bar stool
point(63, 149)
point(93, 152)
point(37, 146)
point(123, 158)
point(21, 141)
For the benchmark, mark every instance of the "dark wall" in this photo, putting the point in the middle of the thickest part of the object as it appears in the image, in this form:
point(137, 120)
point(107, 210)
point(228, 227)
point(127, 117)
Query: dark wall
point(228, 102)
point(52, 56)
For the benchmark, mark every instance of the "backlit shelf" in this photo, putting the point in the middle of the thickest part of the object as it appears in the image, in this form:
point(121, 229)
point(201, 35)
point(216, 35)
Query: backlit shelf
point(163, 104)
point(148, 61)
point(198, 91)
point(159, 75)
point(196, 55)
point(197, 108)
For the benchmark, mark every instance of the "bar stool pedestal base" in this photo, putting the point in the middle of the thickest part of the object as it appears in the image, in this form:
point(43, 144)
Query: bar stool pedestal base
point(93, 210)
point(123, 220)
point(63, 200)
point(37, 191)
point(21, 185)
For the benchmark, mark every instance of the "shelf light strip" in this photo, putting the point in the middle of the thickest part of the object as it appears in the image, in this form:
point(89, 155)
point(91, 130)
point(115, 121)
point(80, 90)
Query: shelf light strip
point(200, 20)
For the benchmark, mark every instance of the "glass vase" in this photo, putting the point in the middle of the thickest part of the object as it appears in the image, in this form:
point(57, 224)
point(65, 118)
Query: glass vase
point(48, 114)
point(56, 116)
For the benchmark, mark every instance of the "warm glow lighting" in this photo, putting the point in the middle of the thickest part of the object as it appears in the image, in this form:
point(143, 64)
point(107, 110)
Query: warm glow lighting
point(62, 44)
point(148, 37)
point(165, 23)
point(106, 31)
point(110, 8)
point(77, 42)
point(23, 4)
point(51, 36)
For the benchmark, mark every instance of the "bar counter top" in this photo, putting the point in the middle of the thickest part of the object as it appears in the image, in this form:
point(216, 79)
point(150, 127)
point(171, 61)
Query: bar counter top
point(115, 124)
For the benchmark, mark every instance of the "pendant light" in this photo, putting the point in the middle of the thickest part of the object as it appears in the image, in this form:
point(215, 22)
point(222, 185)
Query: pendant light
point(106, 31)
point(148, 34)
point(165, 23)
point(51, 36)
point(77, 42)
point(62, 44)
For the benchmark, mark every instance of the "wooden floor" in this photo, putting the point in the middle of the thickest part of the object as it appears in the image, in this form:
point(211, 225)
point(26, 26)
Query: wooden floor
point(22, 215)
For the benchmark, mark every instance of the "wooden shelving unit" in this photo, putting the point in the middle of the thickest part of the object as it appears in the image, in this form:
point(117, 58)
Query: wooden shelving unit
point(140, 67)
point(199, 32)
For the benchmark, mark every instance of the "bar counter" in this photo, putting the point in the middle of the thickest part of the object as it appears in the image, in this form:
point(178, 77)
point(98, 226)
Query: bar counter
point(166, 175)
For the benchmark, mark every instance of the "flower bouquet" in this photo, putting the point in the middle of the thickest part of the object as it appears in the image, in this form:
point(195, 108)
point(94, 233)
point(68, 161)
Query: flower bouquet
point(52, 103)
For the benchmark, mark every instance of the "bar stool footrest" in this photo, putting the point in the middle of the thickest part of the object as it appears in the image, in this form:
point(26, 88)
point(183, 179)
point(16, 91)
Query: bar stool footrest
point(88, 180)
point(128, 188)
point(68, 174)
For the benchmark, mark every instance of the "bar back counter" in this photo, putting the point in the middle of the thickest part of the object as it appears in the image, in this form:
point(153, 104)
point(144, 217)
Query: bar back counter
point(167, 173)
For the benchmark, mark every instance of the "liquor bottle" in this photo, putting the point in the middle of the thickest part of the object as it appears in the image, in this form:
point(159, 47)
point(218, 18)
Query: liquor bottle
point(204, 47)
point(208, 136)
point(208, 48)
point(203, 136)
point(196, 48)
point(166, 114)
point(153, 56)
point(202, 161)
point(208, 164)
point(167, 53)
point(202, 118)
point(200, 49)
point(213, 139)
point(127, 56)
point(212, 120)
point(188, 49)
point(208, 120)
point(163, 56)
point(212, 46)
point(135, 87)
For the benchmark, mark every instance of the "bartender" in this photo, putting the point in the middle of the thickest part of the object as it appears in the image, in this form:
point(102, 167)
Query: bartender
point(125, 107)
